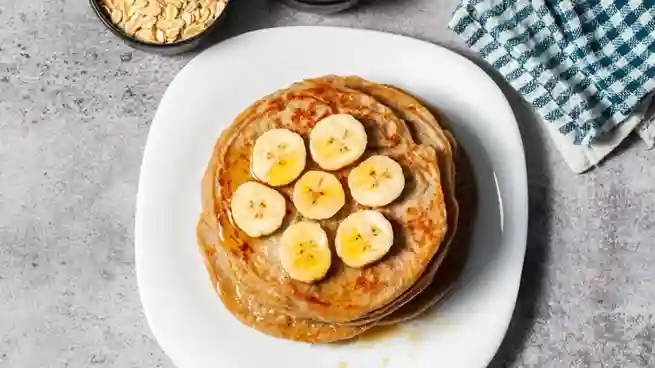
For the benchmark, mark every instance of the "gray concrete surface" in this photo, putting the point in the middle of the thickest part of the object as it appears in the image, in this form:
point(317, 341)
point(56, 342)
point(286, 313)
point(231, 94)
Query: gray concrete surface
point(75, 106)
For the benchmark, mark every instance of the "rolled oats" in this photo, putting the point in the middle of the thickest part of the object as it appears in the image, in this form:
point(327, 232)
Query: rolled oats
point(146, 33)
point(176, 3)
point(193, 30)
point(159, 36)
point(170, 12)
point(116, 16)
point(188, 18)
point(162, 21)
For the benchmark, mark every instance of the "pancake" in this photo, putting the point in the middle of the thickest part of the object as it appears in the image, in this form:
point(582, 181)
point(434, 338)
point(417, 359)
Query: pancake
point(428, 251)
point(252, 313)
point(426, 130)
point(419, 215)
point(249, 306)
point(454, 262)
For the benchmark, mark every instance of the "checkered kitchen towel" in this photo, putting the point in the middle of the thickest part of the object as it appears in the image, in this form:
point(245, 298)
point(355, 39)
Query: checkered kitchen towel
point(587, 67)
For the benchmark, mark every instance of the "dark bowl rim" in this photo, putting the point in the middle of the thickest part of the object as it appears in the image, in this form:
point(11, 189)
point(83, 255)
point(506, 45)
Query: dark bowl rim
point(95, 4)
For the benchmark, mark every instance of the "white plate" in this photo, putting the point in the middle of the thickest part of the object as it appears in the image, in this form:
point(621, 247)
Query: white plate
point(185, 314)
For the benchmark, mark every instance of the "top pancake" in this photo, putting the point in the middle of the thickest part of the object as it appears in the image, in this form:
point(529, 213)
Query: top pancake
point(419, 215)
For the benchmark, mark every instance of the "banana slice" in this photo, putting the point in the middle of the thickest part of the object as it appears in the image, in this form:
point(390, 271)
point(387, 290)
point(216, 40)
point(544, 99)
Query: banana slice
point(305, 252)
point(337, 141)
point(278, 157)
point(318, 195)
point(363, 238)
point(257, 209)
point(377, 181)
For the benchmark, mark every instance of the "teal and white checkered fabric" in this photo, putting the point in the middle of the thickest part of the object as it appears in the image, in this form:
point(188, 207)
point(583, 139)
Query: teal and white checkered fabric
point(583, 65)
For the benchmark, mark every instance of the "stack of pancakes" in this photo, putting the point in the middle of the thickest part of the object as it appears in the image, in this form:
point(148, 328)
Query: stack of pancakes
point(431, 236)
